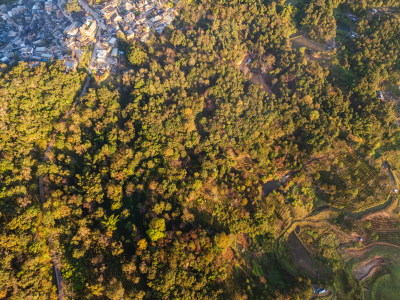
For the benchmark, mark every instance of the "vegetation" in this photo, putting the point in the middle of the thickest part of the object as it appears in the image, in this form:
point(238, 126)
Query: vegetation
point(72, 6)
point(32, 102)
point(352, 184)
point(153, 187)
point(317, 18)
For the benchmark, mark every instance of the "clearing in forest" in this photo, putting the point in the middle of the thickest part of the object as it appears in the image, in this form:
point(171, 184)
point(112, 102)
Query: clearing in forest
point(319, 52)
point(300, 41)
point(300, 256)
point(254, 77)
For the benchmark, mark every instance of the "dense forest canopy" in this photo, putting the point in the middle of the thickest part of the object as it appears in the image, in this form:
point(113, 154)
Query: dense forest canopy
point(154, 184)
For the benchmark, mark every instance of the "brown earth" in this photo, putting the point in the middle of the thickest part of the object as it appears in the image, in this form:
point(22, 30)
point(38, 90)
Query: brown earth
point(369, 268)
point(300, 41)
point(300, 256)
point(255, 78)
point(359, 252)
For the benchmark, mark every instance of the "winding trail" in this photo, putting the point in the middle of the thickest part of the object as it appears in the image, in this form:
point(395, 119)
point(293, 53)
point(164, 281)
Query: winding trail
point(366, 248)
point(51, 240)
point(55, 254)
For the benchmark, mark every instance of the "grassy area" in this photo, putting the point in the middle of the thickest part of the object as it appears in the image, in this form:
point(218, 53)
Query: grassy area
point(303, 41)
point(344, 78)
point(394, 89)
point(341, 36)
point(346, 287)
point(293, 2)
point(385, 288)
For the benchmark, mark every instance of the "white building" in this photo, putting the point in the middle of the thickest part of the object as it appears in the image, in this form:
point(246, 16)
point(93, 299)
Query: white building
point(114, 52)
point(101, 56)
point(72, 29)
point(112, 41)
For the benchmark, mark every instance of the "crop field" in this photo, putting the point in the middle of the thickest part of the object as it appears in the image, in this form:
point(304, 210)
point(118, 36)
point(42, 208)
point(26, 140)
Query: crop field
point(317, 238)
point(383, 229)
point(352, 184)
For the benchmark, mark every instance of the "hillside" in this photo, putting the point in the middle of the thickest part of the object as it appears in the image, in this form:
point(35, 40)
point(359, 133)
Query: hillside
point(242, 153)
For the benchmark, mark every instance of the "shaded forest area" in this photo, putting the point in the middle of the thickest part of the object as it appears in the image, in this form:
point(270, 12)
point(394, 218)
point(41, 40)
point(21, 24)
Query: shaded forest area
point(154, 186)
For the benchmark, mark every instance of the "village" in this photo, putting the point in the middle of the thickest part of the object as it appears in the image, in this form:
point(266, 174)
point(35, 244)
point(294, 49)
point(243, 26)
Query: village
point(41, 30)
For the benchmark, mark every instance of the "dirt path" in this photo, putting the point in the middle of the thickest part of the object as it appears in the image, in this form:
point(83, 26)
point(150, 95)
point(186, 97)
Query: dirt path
point(368, 268)
point(55, 255)
point(259, 78)
point(255, 78)
point(386, 213)
point(361, 251)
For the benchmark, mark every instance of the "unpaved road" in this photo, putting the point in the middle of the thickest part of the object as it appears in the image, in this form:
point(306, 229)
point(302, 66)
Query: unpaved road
point(367, 269)
point(258, 78)
point(387, 166)
point(55, 256)
point(358, 252)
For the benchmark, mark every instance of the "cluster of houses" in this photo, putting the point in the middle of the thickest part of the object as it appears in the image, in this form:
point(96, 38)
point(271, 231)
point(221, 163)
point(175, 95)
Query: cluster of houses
point(138, 19)
point(41, 30)
point(31, 30)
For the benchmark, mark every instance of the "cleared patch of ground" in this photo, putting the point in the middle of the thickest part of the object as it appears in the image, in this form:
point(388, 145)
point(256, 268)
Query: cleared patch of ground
point(270, 186)
point(300, 256)
point(367, 269)
point(317, 51)
point(299, 41)
point(254, 77)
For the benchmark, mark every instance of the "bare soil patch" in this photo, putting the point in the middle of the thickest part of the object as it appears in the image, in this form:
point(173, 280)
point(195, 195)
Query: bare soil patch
point(300, 256)
point(303, 41)
point(255, 78)
point(367, 269)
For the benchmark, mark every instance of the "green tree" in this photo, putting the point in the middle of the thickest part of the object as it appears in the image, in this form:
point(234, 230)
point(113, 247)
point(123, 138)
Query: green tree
point(156, 229)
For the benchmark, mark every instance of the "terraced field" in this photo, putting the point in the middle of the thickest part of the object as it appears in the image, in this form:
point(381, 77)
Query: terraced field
point(362, 221)
point(385, 230)
point(353, 185)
